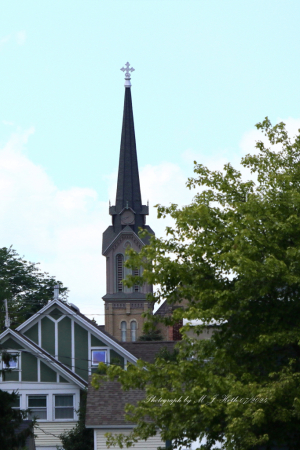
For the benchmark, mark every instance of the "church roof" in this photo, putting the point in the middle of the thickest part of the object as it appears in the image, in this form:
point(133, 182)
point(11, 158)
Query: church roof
point(128, 187)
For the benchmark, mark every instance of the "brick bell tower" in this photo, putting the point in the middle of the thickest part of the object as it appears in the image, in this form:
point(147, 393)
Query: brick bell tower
point(124, 306)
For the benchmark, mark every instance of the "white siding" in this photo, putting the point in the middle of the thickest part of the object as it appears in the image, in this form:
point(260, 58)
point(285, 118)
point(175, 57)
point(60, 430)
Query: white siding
point(151, 444)
point(47, 433)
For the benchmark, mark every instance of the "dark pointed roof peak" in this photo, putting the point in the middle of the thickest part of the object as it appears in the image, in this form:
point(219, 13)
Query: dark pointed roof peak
point(128, 212)
point(128, 187)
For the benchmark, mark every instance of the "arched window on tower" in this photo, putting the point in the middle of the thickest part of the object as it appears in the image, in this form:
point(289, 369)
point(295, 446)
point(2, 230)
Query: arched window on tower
point(133, 330)
point(123, 331)
point(119, 272)
point(136, 273)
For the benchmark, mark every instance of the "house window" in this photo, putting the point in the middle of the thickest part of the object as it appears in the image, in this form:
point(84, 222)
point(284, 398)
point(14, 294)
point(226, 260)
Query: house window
point(38, 406)
point(136, 273)
point(133, 330)
point(120, 272)
point(64, 407)
point(12, 363)
point(123, 331)
point(98, 356)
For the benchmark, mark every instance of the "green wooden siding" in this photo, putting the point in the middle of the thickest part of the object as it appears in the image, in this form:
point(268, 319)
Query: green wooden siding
point(10, 376)
point(47, 374)
point(81, 351)
point(33, 333)
point(48, 335)
point(56, 314)
point(116, 359)
point(10, 344)
point(64, 342)
point(96, 342)
point(63, 380)
point(29, 367)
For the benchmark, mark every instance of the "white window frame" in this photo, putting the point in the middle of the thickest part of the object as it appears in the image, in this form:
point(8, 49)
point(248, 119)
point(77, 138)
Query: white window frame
point(98, 349)
point(44, 407)
point(12, 352)
point(61, 407)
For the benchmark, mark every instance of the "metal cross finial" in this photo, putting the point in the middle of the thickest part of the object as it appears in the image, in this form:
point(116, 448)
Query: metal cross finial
point(127, 71)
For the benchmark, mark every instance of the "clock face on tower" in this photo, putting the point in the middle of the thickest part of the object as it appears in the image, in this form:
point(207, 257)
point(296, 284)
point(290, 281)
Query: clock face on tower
point(127, 218)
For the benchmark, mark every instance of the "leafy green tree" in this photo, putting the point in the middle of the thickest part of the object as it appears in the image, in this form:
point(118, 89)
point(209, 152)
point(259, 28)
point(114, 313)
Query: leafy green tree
point(151, 335)
point(10, 420)
point(24, 286)
point(79, 438)
point(234, 256)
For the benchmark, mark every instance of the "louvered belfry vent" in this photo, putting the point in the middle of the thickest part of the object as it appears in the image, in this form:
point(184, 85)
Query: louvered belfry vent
point(120, 272)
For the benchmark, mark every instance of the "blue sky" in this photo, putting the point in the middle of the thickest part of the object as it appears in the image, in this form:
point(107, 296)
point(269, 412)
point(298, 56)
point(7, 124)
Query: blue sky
point(206, 72)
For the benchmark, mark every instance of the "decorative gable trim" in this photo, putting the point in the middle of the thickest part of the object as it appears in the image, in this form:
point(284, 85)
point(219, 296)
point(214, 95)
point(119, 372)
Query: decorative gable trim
point(43, 355)
point(80, 319)
point(126, 208)
point(126, 233)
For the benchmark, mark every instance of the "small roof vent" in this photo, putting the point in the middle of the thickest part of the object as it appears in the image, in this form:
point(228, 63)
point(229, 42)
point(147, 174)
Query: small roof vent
point(74, 307)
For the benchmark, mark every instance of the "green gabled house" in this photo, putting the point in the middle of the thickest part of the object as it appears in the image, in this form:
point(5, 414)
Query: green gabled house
point(55, 352)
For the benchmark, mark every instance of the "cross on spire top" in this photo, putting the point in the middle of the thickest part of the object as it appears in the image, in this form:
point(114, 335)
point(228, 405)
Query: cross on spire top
point(127, 71)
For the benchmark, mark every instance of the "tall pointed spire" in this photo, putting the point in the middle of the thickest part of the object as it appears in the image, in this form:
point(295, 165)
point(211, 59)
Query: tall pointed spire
point(128, 187)
point(123, 304)
point(128, 214)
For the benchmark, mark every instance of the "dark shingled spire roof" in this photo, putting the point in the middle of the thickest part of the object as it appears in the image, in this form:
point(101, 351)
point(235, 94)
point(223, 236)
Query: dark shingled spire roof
point(128, 188)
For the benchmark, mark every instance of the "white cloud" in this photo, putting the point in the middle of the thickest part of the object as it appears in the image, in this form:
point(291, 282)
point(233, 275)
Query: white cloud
point(63, 229)
point(21, 37)
point(7, 123)
point(249, 139)
point(4, 40)
point(163, 184)
point(215, 162)
point(60, 229)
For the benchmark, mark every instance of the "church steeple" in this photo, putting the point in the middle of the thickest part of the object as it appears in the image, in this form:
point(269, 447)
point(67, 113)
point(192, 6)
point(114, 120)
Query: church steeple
point(128, 187)
point(124, 305)
point(128, 210)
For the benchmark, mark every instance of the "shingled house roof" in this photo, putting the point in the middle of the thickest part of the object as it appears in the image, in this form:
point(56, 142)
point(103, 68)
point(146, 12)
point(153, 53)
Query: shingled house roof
point(147, 350)
point(105, 406)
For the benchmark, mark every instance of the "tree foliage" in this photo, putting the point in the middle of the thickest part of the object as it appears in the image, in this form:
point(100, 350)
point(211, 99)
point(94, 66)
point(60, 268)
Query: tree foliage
point(234, 256)
point(151, 335)
point(10, 420)
point(24, 286)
